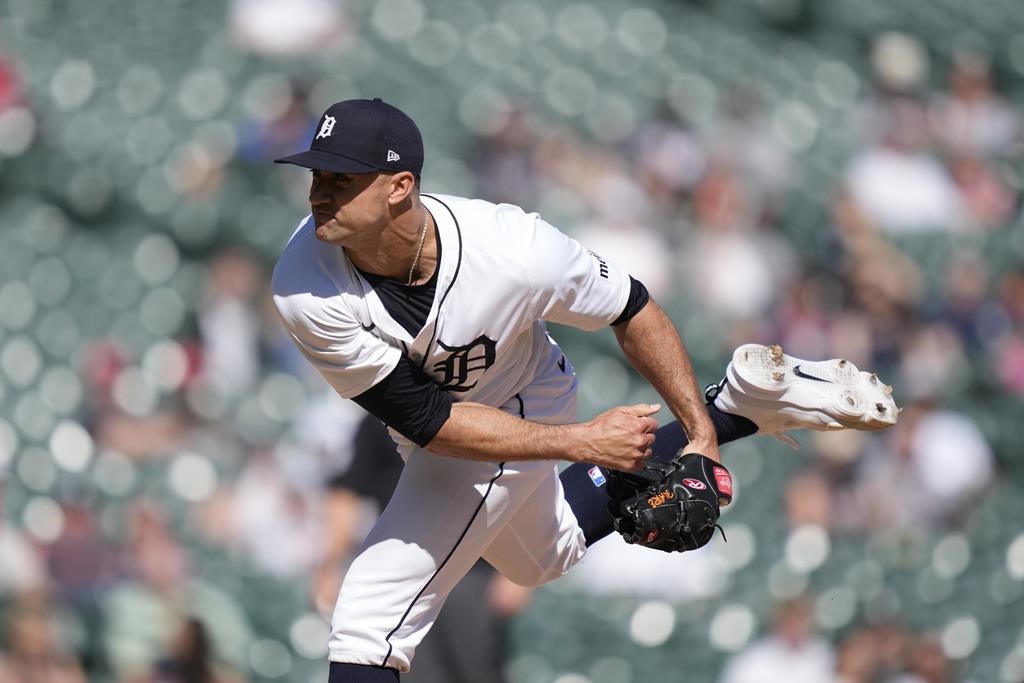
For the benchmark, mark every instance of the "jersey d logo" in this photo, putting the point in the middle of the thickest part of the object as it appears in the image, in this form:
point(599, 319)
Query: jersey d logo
point(326, 128)
point(465, 363)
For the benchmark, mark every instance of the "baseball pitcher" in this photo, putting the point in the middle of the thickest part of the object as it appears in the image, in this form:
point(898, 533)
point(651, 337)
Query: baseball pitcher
point(429, 311)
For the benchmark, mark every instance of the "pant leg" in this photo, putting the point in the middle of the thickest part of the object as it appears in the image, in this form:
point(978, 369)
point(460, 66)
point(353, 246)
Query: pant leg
point(444, 514)
point(542, 541)
point(467, 642)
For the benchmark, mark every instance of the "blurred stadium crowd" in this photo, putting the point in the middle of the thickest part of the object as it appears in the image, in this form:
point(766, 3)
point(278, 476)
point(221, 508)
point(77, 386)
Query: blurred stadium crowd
point(842, 178)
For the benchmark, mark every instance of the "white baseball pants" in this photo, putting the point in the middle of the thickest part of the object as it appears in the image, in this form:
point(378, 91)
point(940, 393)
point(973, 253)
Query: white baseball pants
point(444, 515)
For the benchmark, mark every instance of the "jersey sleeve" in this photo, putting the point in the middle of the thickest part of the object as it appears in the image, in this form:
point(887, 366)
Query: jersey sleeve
point(351, 358)
point(409, 402)
point(573, 285)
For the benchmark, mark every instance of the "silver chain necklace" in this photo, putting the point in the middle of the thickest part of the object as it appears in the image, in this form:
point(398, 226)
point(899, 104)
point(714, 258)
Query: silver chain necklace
point(419, 250)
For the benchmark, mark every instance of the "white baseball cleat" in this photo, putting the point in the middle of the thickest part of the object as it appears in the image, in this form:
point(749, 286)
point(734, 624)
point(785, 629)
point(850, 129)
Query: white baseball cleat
point(779, 392)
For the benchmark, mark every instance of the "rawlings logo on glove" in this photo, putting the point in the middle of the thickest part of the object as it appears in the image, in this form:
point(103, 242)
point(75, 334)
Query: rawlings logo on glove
point(672, 507)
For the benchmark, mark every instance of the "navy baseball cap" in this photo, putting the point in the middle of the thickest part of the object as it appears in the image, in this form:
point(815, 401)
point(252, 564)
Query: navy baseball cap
point(362, 136)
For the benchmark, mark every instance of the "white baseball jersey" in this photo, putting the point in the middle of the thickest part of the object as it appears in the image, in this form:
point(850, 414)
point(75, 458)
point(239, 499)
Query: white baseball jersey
point(502, 273)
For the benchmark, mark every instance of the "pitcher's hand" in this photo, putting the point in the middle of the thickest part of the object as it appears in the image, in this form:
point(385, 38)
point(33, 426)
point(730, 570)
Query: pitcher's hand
point(620, 438)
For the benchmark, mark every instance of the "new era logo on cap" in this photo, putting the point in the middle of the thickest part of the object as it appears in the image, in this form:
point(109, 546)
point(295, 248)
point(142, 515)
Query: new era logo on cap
point(393, 156)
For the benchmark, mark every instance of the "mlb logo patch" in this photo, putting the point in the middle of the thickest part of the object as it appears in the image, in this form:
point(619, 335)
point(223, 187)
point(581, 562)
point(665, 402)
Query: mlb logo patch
point(596, 476)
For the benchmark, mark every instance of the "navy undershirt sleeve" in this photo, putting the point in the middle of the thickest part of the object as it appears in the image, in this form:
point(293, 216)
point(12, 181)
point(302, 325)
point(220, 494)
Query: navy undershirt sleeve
point(409, 402)
point(638, 298)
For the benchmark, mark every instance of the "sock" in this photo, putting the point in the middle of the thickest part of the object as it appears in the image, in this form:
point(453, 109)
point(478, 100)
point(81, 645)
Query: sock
point(729, 427)
point(584, 483)
point(361, 673)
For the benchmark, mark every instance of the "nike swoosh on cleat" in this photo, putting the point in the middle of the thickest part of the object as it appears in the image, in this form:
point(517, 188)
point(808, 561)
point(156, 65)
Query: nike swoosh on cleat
point(800, 373)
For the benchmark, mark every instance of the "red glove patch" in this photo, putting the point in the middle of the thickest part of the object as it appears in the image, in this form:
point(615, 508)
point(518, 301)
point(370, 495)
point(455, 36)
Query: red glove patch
point(724, 481)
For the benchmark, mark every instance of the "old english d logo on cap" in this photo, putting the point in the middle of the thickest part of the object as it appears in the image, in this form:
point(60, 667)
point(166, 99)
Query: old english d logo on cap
point(326, 128)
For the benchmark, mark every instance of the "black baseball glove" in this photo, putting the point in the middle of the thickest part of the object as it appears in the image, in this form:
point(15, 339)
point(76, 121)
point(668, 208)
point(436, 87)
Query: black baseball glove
point(670, 506)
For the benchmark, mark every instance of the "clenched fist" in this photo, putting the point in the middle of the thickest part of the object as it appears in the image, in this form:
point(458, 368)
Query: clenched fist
point(620, 438)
